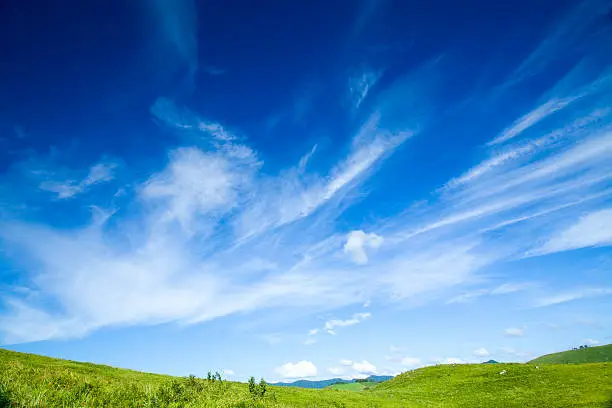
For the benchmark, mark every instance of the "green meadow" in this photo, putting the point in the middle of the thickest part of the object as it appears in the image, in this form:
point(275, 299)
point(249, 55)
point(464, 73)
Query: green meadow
point(28, 380)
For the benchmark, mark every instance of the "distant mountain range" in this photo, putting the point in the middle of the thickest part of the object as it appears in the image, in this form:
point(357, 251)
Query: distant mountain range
point(327, 383)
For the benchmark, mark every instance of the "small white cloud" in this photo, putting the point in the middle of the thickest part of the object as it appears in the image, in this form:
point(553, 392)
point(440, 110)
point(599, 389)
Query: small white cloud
point(100, 172)
point(364, 367)
point(366, 304)
point(410, 361)
point(481, 352)
point(302, 369)
point(346, 362)
point(357, 318)
point(591, 342)
point(514, 332)
point(356, 244)
point(228, 372)
point(312, 332)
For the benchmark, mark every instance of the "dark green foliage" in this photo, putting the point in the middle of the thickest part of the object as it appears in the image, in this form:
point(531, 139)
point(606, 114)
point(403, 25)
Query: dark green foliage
point(252, 387)
point(262, 388)
point(5, 402)
point(257, 391)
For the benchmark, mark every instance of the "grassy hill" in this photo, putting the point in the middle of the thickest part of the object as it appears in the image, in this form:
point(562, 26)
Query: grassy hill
point(522, 385)
point(34, 381)
point(598, 354)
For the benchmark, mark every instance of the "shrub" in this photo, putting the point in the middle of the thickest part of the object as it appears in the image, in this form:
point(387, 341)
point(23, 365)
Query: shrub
point(257, 391)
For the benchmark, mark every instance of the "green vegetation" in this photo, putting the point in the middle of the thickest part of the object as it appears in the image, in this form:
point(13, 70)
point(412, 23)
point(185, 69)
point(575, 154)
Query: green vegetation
point(521, 385)
point(584, 355)
point(28, 380)
point(355, 386)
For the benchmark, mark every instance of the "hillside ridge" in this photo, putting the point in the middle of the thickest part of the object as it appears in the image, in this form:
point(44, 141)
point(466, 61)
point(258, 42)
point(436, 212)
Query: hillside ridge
point(595, 354)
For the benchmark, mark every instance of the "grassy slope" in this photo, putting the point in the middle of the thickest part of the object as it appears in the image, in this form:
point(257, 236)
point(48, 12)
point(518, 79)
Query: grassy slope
point(28, 380)
point(349, 387)
point(523, 385)
point(588, 355)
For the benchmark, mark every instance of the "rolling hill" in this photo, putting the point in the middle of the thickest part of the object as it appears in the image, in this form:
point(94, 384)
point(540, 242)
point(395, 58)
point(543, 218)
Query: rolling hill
point(28, 380)
point(598, 354)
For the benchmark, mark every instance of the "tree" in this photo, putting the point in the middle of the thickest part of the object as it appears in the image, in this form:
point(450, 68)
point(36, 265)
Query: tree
point(252, 387)
point(262, 388)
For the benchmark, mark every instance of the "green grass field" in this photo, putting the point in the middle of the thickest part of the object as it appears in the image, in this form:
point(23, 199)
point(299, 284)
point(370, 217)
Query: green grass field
point(588, 355)
point(34, 381)
point(356, 386)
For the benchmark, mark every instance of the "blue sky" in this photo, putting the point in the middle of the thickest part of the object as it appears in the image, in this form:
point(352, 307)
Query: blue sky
point(305, 190)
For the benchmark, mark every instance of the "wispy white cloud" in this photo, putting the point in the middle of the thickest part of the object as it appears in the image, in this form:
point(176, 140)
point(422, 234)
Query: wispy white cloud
point(481, 352)
point(330, 326)
point(213, 234)
point(575, 294)
point(514, 331)
point(291, 197)
point(533, 117)
point(591, 342)
point(197, 183)
point(360, 85)
point(594, 229)
point(98, 173)
point(578, 28)
point(194, 220)
point(310, 341)
point(503, 289)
